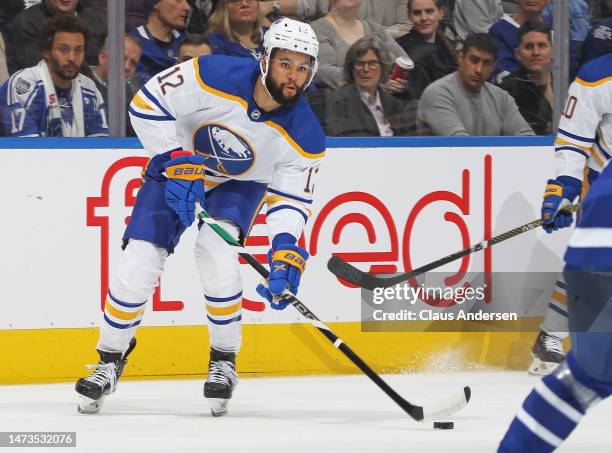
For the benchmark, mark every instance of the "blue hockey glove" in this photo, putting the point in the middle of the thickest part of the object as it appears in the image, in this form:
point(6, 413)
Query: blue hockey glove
point(287, 263)
point(185, 185)
point(276, 302)
point(559, 194)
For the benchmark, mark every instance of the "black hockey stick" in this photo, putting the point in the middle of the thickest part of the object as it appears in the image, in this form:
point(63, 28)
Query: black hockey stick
point(351, 274)
point(438, 411)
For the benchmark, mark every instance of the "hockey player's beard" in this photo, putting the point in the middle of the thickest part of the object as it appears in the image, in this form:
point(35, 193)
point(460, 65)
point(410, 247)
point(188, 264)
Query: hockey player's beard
point(276, 91)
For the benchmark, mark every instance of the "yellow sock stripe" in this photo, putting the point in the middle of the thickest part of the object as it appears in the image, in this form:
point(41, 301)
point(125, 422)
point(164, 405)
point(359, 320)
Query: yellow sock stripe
point(290, 257)
point(223, 311)
point(561, 298)
point(120, 314)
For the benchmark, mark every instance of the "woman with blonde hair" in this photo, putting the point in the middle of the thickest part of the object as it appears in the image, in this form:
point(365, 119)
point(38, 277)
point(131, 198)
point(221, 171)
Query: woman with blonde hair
point(236, 29)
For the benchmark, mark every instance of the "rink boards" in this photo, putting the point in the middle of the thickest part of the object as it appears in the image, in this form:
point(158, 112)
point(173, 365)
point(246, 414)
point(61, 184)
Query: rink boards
point(385, 205)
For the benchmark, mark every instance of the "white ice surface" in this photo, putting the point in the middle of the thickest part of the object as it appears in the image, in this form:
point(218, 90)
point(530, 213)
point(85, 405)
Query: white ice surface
point(288, 415)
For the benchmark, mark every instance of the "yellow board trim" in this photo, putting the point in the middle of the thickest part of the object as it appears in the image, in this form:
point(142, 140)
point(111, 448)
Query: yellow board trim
point(223, 311)
point(120, 314)
point(593, 84)
point(141, 103)
point(60, 355)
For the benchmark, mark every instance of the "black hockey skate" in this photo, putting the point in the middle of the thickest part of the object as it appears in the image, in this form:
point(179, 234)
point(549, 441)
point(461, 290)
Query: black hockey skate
point(103, 381)
point(222, 379)
point(547, 354)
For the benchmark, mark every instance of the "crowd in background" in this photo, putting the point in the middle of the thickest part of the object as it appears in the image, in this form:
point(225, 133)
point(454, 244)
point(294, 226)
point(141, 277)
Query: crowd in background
point(387, 67)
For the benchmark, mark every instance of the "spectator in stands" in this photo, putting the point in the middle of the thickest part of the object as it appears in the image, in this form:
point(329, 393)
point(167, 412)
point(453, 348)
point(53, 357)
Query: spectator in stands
point(9, 9)
point(97, 6)
point(194, 46)
point(161, 36)
point(505, 32)
point(476, 16)
point(510, 6)
point(391, 14)
point(605, 9)
point(337, 31)
point(4, 74)
point(464, 103)
point(531, 84)
point(132, 50)
point(235, 29)
point(579, 23)
point(200, 12)
point(362, 107)
point(598, 41)
point(430, 50)
point(24, 30)
point(52, 99)
point(135, 15)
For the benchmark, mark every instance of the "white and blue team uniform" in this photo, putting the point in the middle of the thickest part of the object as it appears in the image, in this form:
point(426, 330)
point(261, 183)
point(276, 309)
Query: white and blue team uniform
point(28, 110)
point(558, 402)
point(583, 146)
point(251, 157)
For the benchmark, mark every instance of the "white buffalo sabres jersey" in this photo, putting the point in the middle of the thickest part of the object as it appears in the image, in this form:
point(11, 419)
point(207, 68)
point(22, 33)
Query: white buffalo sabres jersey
point(585, 129)
point(206, 105)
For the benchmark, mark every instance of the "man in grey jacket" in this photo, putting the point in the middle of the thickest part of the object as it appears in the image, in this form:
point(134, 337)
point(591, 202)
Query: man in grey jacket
point(464, 103)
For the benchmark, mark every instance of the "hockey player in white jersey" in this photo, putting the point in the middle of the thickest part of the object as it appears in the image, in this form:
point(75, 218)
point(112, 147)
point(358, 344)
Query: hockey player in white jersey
point(582, 147)
point(557, 404)
point(255, 140)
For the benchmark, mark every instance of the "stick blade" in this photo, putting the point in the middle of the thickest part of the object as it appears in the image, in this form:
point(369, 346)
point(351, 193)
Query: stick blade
point(350, 273)
point(445, 408)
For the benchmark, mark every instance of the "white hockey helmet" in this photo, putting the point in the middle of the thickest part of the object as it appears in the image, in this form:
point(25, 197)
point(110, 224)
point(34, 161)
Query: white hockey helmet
point(293, 35)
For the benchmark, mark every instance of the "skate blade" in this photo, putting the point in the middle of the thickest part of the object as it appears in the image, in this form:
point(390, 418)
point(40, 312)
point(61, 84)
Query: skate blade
point(89, 406)
point(540, 368)
point(218, 406)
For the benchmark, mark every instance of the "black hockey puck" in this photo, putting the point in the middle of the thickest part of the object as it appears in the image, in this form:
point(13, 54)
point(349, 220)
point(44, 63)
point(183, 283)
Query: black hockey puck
point(444, 425)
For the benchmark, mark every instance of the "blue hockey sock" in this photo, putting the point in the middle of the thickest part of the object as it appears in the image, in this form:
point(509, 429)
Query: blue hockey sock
point(552, 410)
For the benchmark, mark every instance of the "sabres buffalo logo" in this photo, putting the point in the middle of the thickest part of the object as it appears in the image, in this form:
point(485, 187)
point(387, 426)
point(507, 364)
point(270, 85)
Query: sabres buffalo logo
point(224, 150)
